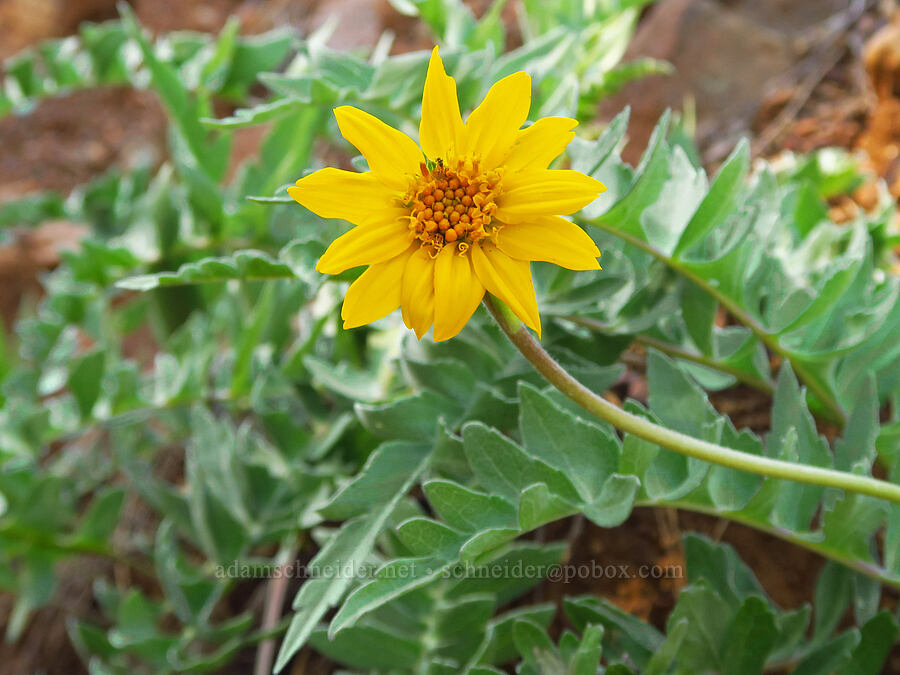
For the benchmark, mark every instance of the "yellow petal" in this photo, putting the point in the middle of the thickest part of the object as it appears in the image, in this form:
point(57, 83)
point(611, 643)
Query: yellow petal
point(493, 126)
point(551, 239)
point(457, 292)
point(509, 280)
point(334, 193)
point(367, 244)
point(441, 124)
point(417, 292)
point(376, 293)
point(550, 192)
point(393, 156)
point(541, 143)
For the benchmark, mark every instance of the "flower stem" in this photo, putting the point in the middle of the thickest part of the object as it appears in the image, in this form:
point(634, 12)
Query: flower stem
point(674, 440)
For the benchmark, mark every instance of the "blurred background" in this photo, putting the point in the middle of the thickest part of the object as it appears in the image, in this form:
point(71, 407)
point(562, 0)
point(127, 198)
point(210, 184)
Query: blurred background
point(792, 75)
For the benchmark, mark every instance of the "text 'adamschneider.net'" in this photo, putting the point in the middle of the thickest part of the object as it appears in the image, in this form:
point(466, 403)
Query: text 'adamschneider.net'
point(410, 569)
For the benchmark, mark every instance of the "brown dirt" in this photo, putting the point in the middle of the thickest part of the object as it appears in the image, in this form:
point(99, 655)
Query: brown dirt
point(651, 537)
point(67, 141)
point(45, 646)
point(23, 22)
point(30, 253)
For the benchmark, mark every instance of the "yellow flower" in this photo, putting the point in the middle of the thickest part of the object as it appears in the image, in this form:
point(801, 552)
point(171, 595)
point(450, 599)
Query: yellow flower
point(437, 233)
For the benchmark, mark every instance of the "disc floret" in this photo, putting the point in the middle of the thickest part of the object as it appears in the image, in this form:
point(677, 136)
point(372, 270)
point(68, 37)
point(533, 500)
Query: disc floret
point(453, 204)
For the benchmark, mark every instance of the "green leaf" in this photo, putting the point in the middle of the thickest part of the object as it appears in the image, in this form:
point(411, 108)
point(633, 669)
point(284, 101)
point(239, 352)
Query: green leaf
point(393, 580)
point(102, 516)
point(792, 629)
point(667, 653)
point(250, 339)
point(625, 634)
point(181, 106)
point(192, 595)
point(730, 489)
point(585, 452)
point(831, 656)
point(426, 537)
point(411, 418)
point(466, 509)
point(85, 379)
point(871, 654)
point(833, 594)
point(675, 399)
point(750, 638)
point(710, 618)
point(666, 217)
point(486, 543)
point(857, 444)
point(614, 503)
point(450, 378)
point(840, 276)
point(681, 405)
point(698, 308)
point(499, 646)
point(368, 647)
point(244, 266)
point(586, 660)
point(353, 543)
point(538, 506)
point(505, 469)
point(355, 384)
point(719, 201)
point(521, 566)
point(386, 472)
point(260, 114)
point(637, 453)
point(721, 567)
point(866, 597)
point(460, 626)
point(796, 503)
point(535, 647)
point(650, 177)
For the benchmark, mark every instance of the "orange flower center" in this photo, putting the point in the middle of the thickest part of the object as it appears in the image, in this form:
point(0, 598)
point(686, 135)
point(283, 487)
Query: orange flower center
point(450, 205)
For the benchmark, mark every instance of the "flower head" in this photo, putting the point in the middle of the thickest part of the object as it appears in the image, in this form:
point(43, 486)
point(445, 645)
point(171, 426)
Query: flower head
point(465, 214)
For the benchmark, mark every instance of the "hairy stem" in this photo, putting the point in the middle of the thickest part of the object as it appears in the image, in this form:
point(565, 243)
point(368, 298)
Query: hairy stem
point(72, 546)
point(876, 572)
point(674, 440)
point(830, 405)
point(680, 353)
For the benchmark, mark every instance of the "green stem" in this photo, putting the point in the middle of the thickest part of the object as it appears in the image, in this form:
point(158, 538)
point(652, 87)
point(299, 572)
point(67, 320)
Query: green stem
point(680, 353)
point(141, 414)
point(268, 633)
point(700, 359)
point(73, 547)
point(674, 440)
point(871, 570)
point(831, 407)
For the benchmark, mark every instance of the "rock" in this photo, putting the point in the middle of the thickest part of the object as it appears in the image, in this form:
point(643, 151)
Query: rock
point(31, 253)
point(727, 55)
point(24, 22)
point(358, 22)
